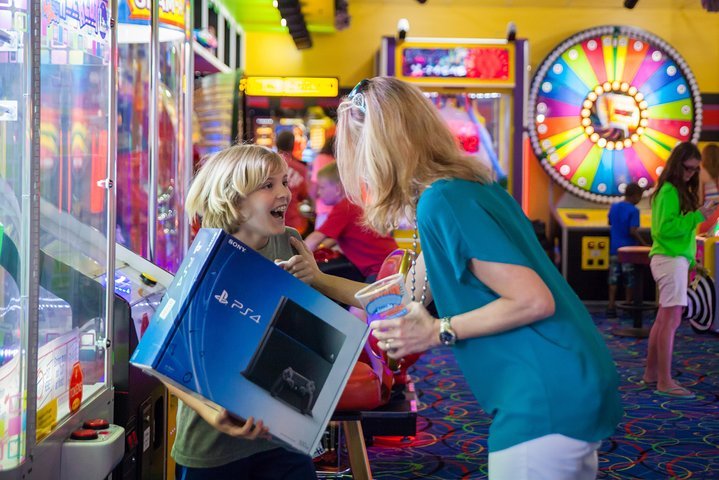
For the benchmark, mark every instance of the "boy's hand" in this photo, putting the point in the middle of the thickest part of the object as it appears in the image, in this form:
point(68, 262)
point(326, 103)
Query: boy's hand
point(303, 266)
point(228, 424)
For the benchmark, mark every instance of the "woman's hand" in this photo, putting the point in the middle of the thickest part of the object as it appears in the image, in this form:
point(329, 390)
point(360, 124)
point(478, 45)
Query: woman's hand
point(708, 208)
point(303, 266)
point(413, 333)
point(228, 424)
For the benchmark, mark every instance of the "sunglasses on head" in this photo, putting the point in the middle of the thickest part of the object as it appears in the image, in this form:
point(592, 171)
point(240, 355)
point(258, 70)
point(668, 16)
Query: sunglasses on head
point(356, 96)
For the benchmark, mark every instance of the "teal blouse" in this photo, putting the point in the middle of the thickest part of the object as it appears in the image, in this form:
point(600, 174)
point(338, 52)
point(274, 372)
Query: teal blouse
point(553, 376)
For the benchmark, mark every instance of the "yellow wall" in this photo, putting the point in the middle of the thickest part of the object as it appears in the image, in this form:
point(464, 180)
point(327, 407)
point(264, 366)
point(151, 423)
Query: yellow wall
point(350, 54)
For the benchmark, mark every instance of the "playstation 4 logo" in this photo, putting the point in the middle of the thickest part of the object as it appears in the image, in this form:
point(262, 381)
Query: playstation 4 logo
point(222, 298)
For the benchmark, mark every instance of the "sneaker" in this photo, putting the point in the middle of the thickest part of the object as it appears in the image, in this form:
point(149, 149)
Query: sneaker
point(611, 313)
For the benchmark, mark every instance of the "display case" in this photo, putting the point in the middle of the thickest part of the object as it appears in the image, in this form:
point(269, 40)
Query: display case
point(55, 212)
point(154, 145)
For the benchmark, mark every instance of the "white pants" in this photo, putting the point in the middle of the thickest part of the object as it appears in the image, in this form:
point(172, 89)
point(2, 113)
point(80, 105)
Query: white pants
point(551, 457)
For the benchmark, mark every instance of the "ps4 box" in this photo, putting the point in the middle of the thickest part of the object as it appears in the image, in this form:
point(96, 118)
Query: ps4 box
point(237, 331)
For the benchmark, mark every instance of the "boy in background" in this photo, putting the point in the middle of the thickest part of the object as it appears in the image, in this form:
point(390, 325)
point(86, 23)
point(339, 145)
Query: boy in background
point(298, 181)
point(343, 227)
point(623, 232)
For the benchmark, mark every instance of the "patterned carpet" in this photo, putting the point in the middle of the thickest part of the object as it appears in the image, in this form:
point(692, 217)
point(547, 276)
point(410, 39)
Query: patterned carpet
point(659, 437)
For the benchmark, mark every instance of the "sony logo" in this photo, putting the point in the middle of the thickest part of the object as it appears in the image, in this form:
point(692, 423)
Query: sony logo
point(237, 245)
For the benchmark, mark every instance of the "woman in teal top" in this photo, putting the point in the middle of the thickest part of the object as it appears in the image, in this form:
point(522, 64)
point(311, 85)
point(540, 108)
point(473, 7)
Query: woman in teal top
point(525, 343)
point(675, 217)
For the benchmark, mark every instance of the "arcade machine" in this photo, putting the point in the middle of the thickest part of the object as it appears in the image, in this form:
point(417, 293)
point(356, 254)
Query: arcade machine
point(608, 105)
point(479, 87)
point(154, 146)
point(154, 166)
point(141, 403)
point(55, 354)
point(306, 105)
point(215, 100)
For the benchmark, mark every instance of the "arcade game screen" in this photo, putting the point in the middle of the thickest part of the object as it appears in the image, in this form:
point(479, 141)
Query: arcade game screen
point(474, 118)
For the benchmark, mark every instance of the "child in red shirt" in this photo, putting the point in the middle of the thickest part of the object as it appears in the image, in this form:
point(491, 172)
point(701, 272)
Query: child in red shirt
point(298, 182)
point(362, 246)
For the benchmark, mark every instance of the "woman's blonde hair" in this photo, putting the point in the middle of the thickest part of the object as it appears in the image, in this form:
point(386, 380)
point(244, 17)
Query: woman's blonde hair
point(224, 181)
point(392, 143)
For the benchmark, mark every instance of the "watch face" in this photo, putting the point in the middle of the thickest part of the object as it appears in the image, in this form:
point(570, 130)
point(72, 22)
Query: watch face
point(446, 338)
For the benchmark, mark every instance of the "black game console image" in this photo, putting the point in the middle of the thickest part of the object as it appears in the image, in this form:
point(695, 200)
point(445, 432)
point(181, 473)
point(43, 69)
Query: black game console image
point(295, 356)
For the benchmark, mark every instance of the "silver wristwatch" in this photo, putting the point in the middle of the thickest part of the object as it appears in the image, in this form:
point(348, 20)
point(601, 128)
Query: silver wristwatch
point(446, 334)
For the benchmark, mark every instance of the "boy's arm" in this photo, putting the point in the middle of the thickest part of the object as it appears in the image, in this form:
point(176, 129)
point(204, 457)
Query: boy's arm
point(314, 240)
point(634, 232)
point(328, 243)
point(304, 267)
point(221, 420)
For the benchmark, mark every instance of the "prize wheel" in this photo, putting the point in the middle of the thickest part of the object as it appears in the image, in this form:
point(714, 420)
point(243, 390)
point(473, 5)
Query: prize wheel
point(608, 105)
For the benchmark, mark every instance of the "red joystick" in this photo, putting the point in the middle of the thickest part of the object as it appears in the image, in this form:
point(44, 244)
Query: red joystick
point(84, 434)
point(96, 424)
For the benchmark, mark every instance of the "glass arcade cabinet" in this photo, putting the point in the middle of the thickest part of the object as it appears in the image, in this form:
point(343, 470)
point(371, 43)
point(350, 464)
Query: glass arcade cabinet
point(154, 142)
point(55, 241)
point(479, 88)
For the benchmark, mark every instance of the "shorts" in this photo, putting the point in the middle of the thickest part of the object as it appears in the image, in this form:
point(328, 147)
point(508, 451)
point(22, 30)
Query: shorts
point(617, 270)
point(672, 277)
point(551, 457)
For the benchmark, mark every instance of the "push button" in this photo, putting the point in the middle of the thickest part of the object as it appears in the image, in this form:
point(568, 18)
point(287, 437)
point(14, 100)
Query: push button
point(84, 434)
point(148, 279)
point(96, 424)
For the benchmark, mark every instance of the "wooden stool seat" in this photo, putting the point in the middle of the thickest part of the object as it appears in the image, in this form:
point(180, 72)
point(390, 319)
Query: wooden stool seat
point(639, 257)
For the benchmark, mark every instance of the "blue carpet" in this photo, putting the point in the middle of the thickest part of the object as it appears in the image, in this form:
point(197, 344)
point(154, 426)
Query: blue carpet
point(658, 438)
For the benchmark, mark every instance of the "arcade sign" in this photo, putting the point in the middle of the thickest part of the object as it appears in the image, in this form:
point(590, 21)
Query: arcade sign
point(292, 86)
point(460, 64)
point(172, 12)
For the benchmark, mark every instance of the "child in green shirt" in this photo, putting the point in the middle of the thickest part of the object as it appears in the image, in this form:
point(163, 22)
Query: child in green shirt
point(675, 216)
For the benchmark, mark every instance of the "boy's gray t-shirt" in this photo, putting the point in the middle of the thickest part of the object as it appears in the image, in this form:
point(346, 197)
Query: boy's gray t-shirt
point(197, 443)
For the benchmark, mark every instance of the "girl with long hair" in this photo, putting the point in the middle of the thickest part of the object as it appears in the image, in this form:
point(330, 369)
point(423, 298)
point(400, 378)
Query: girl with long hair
point(676, 213)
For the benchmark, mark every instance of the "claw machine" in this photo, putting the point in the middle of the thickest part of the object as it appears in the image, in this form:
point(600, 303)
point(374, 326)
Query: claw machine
point(154, 167)
point(56, 206)
point(154, 130)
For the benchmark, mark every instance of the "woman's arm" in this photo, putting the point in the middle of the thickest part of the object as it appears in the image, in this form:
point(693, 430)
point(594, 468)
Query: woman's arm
point(524, 298)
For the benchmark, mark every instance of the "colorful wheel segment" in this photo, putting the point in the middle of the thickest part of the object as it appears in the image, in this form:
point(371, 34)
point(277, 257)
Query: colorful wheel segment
point(608, 105)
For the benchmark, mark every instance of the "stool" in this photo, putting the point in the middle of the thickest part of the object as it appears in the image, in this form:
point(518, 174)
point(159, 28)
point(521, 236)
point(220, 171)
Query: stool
point(639, 257)
point(351, 423)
